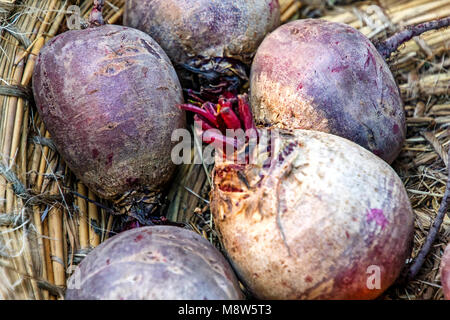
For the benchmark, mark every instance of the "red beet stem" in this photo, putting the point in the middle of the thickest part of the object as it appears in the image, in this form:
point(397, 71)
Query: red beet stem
point(205, 124)
point(230, 118)
point(201, 112)
point(211, 136)
point(224, 102)
point(246, 113)
point(229, 95)
point(96, 16)
point(211, 108)
point(391, 44)
point(222, 117)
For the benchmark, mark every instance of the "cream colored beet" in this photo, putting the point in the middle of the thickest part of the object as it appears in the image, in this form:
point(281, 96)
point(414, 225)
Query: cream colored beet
point(314, 224)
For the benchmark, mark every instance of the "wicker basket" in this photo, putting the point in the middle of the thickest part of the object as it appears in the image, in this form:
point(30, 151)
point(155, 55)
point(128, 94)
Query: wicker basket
point(46, 228)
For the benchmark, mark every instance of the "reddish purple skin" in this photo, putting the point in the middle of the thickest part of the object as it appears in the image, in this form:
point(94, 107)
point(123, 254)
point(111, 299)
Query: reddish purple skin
point(445, 273)
point(154, 263)
point(318, 75)
point(377, 216)
point(186, 28)
point(108, 97)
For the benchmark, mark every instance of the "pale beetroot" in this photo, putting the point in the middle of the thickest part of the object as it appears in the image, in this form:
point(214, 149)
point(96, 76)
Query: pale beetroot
point(154, 263)
point(305, 214)
point(186, 29)
point(325, 219)
point(445, 273)
point(108, 97)
point(319, 75)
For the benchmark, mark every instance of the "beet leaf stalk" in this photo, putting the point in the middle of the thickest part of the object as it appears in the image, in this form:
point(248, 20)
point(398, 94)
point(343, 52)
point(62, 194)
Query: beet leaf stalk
point(388, 46)
point(231, 112)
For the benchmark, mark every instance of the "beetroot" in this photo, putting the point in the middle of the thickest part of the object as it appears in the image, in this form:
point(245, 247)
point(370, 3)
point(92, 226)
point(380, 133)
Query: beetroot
point(305, 215)
point(326, 76)
point(210, 42)
point(149, 263)
point(107, 95)
point(445, 273)
point(187, 29)
point(325, 219)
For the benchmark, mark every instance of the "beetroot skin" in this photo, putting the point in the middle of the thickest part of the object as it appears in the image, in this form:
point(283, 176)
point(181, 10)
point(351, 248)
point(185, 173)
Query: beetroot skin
point(154, 263)
point(107, 95)
point(445, 273)
point(325, 76)
point(323, 219)
point(186, 29)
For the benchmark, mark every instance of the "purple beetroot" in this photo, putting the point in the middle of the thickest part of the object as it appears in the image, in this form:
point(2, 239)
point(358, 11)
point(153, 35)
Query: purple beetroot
point(186, 29)
point(212, 43)
point(154, 263)
point(326, 76)
point(107, 95)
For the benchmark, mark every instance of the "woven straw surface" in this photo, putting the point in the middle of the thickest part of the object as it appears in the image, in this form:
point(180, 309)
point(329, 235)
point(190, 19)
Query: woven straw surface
point(46, 229)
